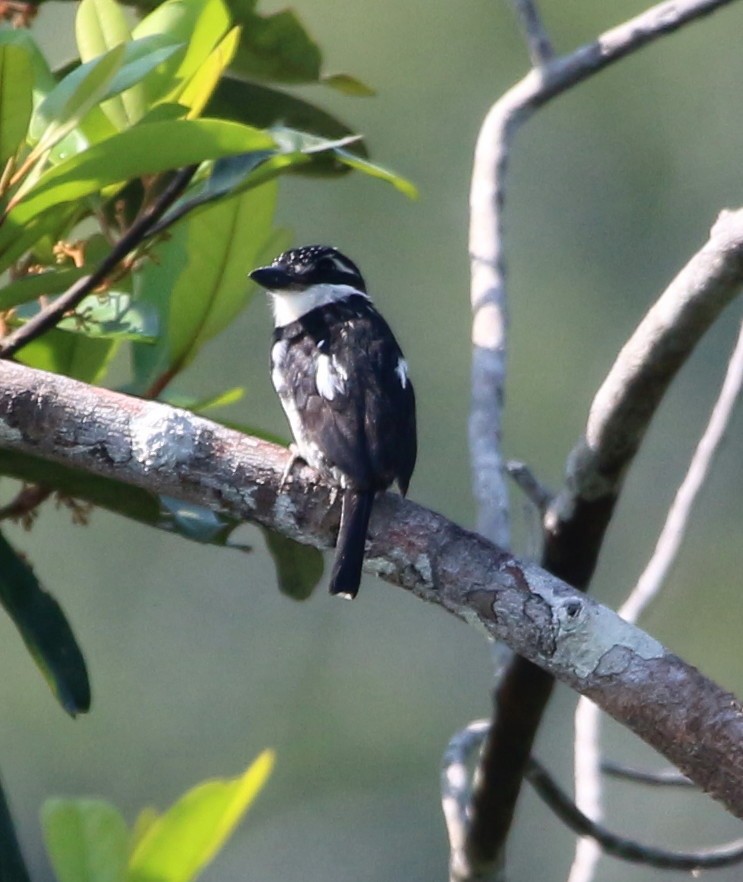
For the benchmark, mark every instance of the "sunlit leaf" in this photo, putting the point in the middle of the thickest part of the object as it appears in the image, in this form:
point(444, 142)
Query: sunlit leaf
point(203, 405)
point(299, 567)
point(142, 150)
point(45, 631)
point(112, 315)
point(87, 840)
point(16, 98)
point(348, 85)
point(180, 843)
point(99, 26)
point(199, 24)
point(200, 87)
point(67, 104)
point(198, 281)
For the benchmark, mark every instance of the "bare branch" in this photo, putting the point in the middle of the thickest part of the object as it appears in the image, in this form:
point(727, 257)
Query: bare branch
point(587, 715)
point(50, 316)
point(630, 675)
point(537, 39)
point(529, 484)
point(627, 849)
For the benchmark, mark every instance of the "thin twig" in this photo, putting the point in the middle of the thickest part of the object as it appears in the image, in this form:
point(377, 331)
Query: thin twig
point(535, 33)
point(663, 778)
point(647, 589)
point(529, 484)
point(620, 847)
point(524, 691)
point(48, 317)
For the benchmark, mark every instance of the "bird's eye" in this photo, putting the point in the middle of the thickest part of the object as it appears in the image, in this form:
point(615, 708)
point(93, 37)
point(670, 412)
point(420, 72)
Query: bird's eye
point(326, 264)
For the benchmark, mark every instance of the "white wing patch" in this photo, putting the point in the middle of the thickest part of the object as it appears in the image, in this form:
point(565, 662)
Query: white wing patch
point(402, 371)
point(330, 377)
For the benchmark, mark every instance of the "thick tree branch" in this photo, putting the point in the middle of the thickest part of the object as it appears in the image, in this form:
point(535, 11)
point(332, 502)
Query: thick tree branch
point(668, 703)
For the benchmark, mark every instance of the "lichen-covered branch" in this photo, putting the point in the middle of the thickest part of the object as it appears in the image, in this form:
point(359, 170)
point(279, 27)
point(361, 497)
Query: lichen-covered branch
point(668, 703)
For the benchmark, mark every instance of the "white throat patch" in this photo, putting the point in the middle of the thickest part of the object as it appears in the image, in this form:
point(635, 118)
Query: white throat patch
point(288, 306)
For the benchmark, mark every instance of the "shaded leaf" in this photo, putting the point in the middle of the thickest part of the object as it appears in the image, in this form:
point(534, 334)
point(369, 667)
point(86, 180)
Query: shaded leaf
point(276, 47)
point(30, 287)
point(177, 845)
point(12, 865)
point(73, 355)
point(198, 523)
point(16, 98)
point(263, 107)
point(45, 631)
point(203, 405)
point(87, 840)
point(299, 567)
point(43, 80)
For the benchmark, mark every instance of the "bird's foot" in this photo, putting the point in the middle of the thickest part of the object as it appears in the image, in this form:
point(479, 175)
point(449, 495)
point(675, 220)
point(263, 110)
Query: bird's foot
point(295, 457)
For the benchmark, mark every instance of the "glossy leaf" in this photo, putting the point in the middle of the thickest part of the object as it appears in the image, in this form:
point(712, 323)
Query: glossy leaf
point(16, 98)
point(12, 865)
point(142, 150)
point(276, 47)
point(87, 840)
point(99, 26)
point(176, 846)
point(73, 355)
point(67, 104)
point(199, 25)
point(45, 631)
point(198, 280)
point(299, 567)
point(200, 87)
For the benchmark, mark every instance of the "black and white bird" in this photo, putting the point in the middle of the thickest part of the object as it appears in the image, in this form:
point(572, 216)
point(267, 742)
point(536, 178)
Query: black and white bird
point(344, 386)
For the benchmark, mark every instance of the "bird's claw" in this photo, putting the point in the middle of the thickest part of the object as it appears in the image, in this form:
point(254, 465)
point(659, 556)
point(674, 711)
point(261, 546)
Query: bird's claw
point(293, 460)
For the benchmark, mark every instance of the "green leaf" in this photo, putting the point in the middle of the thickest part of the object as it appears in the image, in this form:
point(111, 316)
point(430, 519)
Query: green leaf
point(87, 840)
point(12, 865)
point(45, 631)
point(73, 355)
point(199, 24)
point(198, 280)
point(348, 85)
point(179, 844)
point(67, 104)
point(142, 150)
point(203, 405)
point(200, 87)
point(263, 107)
point(39, 284)
point(276, 47)
point(198, 523)
point(16, 99)
point(113, 315)
point(43, 79)
point(298, 567)
point(99, 26)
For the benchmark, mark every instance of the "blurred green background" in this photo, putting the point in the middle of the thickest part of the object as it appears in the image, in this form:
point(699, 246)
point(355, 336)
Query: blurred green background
point(198, 663)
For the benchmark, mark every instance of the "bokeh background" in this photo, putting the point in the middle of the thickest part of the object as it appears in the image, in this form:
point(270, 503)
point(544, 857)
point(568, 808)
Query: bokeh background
point(198, 663)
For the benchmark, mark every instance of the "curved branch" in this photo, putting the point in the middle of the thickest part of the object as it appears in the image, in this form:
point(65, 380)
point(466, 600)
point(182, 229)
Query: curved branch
point(674, 708)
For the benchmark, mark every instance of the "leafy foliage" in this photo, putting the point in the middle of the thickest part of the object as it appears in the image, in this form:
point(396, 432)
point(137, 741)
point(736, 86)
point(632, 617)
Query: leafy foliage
point(88, 839)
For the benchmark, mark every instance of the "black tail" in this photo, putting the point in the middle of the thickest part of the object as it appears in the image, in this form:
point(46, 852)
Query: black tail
point(349, 553)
